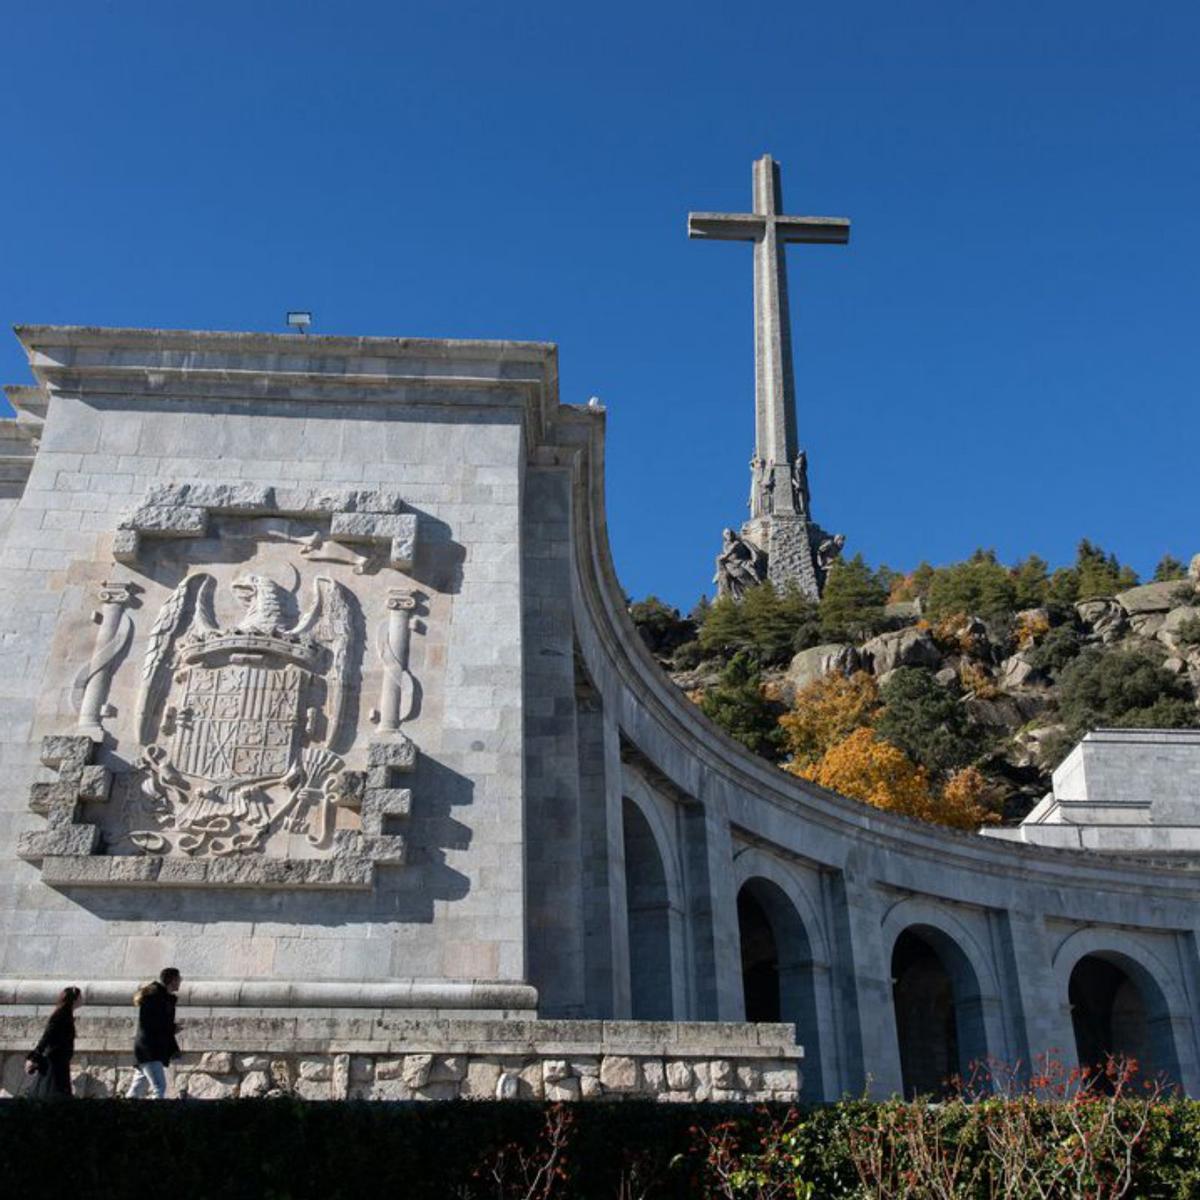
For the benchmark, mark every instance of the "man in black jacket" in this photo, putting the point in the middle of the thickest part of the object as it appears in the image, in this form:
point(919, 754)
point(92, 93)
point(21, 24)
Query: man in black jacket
point(154, 1044)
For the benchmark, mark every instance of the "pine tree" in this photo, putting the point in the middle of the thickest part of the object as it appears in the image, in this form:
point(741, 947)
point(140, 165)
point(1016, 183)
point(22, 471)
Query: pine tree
point(736, 703)
point(1169, 569)
point(725, 631)
point(978, 587)
point(1100, 574)
point(852, 604)
point(1030, 580)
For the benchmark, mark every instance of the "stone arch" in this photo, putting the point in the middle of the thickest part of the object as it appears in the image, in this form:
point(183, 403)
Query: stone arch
point(1123, 999)
point(779, 973)
point(945, 996)
point(802, 965)
point(654, 912)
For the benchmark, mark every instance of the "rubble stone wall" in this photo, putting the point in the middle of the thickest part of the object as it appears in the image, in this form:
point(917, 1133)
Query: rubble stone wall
point(356, 1058)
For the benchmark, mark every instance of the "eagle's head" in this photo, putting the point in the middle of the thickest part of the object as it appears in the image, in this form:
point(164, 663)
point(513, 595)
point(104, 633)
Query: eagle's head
point(247, 588)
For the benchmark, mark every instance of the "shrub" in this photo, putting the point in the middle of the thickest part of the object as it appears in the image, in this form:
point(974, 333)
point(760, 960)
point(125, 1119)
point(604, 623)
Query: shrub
point(1188, 633)
point(1031, 628)
point(725, 631)
point(963, 803)
point(976, 680)
point(1122, 688)
point(1056, 649)
point(662, 628)
point(1056, 1135)
point(780, 623)
point(688, 657)
point(927, 721)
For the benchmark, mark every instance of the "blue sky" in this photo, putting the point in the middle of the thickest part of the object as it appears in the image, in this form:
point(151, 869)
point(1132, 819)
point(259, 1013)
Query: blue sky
point(1006, 354)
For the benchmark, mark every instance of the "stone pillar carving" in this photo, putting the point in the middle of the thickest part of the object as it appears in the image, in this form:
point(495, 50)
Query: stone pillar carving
point(396, 695)
point(92, 683)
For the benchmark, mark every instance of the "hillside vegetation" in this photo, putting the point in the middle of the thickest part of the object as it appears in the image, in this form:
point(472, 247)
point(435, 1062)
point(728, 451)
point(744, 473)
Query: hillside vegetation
point(945, 693)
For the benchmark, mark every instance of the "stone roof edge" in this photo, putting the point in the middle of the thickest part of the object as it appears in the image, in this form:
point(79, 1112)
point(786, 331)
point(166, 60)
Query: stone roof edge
point(706, 742)
point(180, 339)
point(288, 366)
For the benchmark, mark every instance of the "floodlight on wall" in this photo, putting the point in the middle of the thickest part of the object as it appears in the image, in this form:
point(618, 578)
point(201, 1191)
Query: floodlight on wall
point(300, 320)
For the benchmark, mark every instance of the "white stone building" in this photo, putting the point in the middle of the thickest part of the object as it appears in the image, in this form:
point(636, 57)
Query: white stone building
point(317, 682)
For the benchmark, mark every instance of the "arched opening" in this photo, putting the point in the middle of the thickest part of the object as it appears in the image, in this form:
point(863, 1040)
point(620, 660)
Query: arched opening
point(1118, 1011)
point(939, 1019)
point(647, 902)
point(778, 982)
point(760, 960)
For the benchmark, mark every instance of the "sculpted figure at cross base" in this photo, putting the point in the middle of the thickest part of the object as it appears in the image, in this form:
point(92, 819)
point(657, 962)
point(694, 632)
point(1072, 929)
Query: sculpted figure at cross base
point(740, 565)
point(829, 551)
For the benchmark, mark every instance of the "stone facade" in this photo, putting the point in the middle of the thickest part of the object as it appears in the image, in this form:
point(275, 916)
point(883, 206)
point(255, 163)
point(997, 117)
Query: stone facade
point(317, 682)
point(266, 609)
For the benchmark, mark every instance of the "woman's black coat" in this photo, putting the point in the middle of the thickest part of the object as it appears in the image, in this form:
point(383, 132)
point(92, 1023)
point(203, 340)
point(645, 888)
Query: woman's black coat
point(155, 1040)
point(56, 1047)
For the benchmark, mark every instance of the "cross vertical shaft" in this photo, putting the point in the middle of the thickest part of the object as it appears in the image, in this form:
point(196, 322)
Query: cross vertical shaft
point(779, 483)
point(774, 380)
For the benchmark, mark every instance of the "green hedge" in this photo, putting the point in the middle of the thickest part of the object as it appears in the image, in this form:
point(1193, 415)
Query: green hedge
point(284, 1149)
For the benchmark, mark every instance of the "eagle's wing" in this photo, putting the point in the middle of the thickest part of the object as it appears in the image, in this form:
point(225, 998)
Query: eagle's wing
point(190, 602)
point(330, 619)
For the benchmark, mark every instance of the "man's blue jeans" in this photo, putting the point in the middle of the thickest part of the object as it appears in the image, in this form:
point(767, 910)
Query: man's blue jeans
point(150, 1077)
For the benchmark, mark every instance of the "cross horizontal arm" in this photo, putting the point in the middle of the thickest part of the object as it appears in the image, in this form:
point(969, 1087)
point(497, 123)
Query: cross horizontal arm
point(812, 229)
point(749, 227)
point(726, 227)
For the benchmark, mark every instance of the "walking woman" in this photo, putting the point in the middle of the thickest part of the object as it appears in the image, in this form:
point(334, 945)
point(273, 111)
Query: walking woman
point(49, 1062)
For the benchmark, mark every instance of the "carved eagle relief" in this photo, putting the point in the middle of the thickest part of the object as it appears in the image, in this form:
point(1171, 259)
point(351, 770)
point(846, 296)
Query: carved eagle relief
point(237, 722)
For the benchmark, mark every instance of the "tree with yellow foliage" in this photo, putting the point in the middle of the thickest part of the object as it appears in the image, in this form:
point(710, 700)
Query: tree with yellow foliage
point(866, 767)
point(963, 802)
point(826, 712)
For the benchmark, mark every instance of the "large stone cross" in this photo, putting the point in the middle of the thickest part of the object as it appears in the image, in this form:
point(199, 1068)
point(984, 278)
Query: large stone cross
point(776, 444)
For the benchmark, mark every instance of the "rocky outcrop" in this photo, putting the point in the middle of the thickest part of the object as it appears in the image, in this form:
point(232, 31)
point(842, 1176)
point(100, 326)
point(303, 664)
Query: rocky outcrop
point(818, 661)
point(1168, 632)
point(1152, 597)
point(1105, 617)
point(903, 648)
point(1016, 672)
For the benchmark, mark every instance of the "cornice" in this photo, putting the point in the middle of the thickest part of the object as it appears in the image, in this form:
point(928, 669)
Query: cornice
point(167, 365)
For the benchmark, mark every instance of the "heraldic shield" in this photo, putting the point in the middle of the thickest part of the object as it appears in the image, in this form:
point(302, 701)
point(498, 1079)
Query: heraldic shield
point(239, 723)
point(232, 719)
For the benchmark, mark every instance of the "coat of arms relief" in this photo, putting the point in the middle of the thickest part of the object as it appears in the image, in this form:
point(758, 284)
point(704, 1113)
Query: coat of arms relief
point(238, 752)
point(238, 722)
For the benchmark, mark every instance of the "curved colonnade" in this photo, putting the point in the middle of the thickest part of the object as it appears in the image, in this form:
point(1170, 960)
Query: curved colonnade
point(903, 953)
